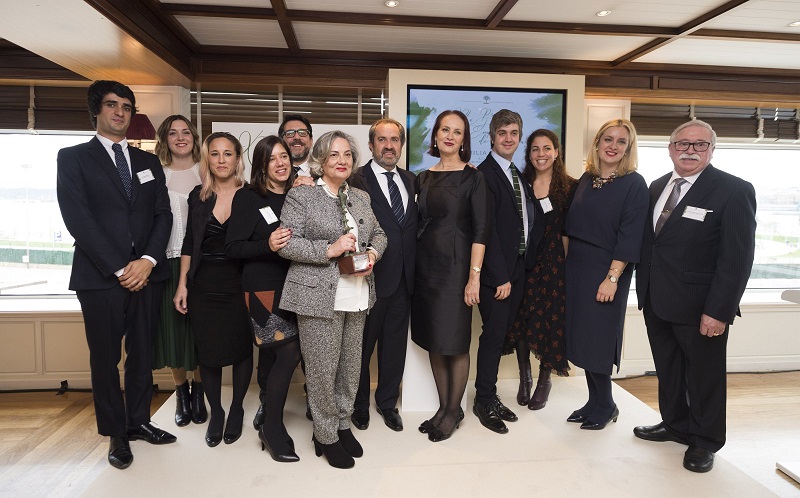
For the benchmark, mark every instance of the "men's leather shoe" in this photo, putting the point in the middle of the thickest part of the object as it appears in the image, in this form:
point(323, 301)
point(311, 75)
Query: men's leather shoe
point(503, 411)
point(151, 434)
point(119, 452)
point(489, 418)
point(658, 432)
point(698, 459)
point(360, 419)
point(261, 415)
point(391, 417)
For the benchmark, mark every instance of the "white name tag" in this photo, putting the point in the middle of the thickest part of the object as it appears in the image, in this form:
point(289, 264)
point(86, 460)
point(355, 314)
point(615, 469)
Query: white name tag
point(269, 215)
point(696, 213)
point(547, 206)
point(145, 176)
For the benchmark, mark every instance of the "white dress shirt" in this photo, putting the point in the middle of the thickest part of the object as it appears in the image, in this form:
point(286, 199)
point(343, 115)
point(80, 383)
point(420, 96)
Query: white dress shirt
point(505, 164)
point(305, 169)
point(662, 199)
point(383, 181)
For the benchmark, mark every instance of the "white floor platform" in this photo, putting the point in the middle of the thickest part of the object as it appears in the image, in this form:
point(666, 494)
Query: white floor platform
point(542, 455)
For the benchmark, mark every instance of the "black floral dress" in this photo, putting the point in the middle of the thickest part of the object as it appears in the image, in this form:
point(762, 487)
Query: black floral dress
point(540, 318)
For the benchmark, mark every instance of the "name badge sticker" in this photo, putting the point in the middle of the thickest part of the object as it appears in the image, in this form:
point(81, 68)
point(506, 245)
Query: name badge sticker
point(696, 213)
point(269, 215)
point(547, 206)
point(145, 176)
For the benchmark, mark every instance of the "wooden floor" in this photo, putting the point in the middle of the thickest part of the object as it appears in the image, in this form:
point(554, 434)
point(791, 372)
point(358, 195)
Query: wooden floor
point(45, 439)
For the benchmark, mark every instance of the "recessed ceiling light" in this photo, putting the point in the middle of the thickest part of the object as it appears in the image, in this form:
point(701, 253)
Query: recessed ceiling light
point(602, 13)
point(795, 24)
point(391, 3)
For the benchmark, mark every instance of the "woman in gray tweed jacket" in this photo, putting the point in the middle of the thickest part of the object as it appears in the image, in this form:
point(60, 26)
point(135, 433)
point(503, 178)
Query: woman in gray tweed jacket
point(331, 308)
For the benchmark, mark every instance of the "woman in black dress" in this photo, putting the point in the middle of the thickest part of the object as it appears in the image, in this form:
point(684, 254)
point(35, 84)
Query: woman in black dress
point(451, 242)
point(255, 235)
point(539, 324)
point(605, 225)
point(210, 285)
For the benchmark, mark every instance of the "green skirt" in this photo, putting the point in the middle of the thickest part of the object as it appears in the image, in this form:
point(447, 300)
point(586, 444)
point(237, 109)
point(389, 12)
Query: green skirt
point(173, 345)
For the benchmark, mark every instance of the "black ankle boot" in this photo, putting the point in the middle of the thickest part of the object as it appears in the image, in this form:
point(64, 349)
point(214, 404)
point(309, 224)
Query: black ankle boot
point(542, 392)
point(335, 453)
point(183, 405)
point(199, 412)
point(525, 384)
point(350, 443)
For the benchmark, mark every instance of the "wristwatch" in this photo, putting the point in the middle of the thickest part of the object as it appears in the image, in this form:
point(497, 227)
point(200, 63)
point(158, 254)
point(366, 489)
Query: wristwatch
point(613, 278)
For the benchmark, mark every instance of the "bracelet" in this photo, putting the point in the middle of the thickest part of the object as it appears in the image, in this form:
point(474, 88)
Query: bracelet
point(476, 269)
point(615, 269)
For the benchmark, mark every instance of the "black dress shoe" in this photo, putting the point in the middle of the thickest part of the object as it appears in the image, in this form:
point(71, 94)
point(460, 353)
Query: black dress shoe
point(698, 459)
point(391, 417)
point(285, 454)
point(597, 426)
point(658, 432)
point(119, 452)
point(151, 434)
point(503, 412)
point(233, 426)
point(261, 415)
point(350, 443)
point(360, 419)
point(489, 418)
point(577, 417)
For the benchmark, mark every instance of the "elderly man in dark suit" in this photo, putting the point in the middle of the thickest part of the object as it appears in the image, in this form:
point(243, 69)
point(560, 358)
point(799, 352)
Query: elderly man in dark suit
point(114, 202)
point(511, 248)
point(391, 191)
point(696, 258)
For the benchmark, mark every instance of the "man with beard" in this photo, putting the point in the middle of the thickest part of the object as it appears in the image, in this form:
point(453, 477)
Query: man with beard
point(296, 131)
point(391, 190)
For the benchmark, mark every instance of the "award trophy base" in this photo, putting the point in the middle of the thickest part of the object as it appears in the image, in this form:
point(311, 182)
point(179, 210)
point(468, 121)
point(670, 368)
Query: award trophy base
point(353, 263)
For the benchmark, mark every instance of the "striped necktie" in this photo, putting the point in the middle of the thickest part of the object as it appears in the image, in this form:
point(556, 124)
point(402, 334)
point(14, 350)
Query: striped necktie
point(518, 195)
point(394, 196)
point(122, 168)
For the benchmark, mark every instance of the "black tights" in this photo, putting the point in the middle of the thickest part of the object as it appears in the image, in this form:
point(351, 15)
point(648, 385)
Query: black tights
point(601, 404)
point(450, 373)
point(523, 353)
point(284, 362)
point(212, 381)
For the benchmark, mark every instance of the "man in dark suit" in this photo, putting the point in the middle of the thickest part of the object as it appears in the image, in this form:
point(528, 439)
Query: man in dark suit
point(391, 190)
point(515, 233)
point(114, 202)
point(697, 255)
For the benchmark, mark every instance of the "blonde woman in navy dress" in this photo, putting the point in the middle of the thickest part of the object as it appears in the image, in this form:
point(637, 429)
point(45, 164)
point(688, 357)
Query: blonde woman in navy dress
point(605, 225)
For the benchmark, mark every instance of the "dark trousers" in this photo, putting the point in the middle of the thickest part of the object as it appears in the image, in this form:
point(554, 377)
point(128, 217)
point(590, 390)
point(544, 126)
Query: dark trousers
point(691, 373)
point(108, 316)
point(497, 316)
point(387, 325)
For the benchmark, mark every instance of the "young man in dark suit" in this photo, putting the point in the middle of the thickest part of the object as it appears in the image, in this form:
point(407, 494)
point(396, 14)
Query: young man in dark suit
point(114, 202)
point(391, 190)
point(515, 233)
point(697, 255)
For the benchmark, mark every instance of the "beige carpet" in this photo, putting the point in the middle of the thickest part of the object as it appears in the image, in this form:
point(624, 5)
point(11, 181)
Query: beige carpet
point(542, 455)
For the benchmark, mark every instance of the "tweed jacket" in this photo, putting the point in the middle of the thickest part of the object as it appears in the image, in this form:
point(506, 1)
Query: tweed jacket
point(316, 221)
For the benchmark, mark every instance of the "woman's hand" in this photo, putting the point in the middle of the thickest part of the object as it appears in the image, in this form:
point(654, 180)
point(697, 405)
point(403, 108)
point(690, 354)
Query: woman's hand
point(372, 258)
point(345, 243)
point(606, 291)
point(279, 238)
point(471, 290)
point(180, 299)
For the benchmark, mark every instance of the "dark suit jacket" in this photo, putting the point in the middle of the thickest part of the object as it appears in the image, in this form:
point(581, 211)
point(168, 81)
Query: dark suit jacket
point(692, 267)
point(199, 214)
point(108, 227)
point(502, 248)
point(399, 257)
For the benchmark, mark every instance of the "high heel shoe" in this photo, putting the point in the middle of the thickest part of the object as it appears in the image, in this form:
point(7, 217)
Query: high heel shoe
point(593, 426)
point(335, 453)
point(437, 435)
point(233, 427)
point(278, 456)
point(350, 443)
point(577, 417)
point(214, 430)
point(525, 384)
point(427, 426)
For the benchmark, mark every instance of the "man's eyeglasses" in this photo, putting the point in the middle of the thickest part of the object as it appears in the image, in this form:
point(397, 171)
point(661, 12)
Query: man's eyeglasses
point(292, 133)
point(113, 104)
point(683, 146)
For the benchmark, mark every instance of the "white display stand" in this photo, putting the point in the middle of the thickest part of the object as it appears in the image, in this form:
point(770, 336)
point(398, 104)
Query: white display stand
point(419, 388)
point(791, 469)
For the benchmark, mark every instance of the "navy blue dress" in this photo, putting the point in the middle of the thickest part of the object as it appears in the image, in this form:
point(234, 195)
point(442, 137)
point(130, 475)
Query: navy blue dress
point(603, 224)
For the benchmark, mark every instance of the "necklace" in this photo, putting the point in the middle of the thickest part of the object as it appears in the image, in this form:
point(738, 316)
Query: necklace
point(599, 182)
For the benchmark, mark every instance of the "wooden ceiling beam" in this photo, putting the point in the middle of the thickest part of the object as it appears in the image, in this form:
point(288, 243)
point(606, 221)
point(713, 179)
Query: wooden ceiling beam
point(500, 10)
point(279, 6)
point(184, 9)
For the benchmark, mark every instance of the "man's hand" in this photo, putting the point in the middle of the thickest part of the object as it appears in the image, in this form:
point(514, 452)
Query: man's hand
point(503, 291)
point(303, 180)
point(711, 327)
point(136, 274)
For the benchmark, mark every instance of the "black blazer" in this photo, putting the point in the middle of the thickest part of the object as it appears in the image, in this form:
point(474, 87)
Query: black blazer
point(502, 248)
point(699, 267)
point(199, 214)
point(400, 254)
point(107, 227)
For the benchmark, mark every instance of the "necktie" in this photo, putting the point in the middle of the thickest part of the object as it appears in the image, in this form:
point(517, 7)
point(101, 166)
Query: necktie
point(122, 168)
point(296, 169)
point(518, 195)
point(394, 197)
point(672, 201)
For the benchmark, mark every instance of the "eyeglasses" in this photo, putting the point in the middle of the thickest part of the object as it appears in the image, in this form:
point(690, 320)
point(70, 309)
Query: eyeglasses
point(291, 133)
point(113, 104)
point(683, 146)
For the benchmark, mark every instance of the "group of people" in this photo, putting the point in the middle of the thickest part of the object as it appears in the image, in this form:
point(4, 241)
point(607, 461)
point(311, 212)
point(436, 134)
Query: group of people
point(188, 247)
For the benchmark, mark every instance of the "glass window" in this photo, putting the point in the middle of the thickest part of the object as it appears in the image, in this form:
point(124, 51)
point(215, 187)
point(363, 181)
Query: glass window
point(35, 247)
point(773, 170)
